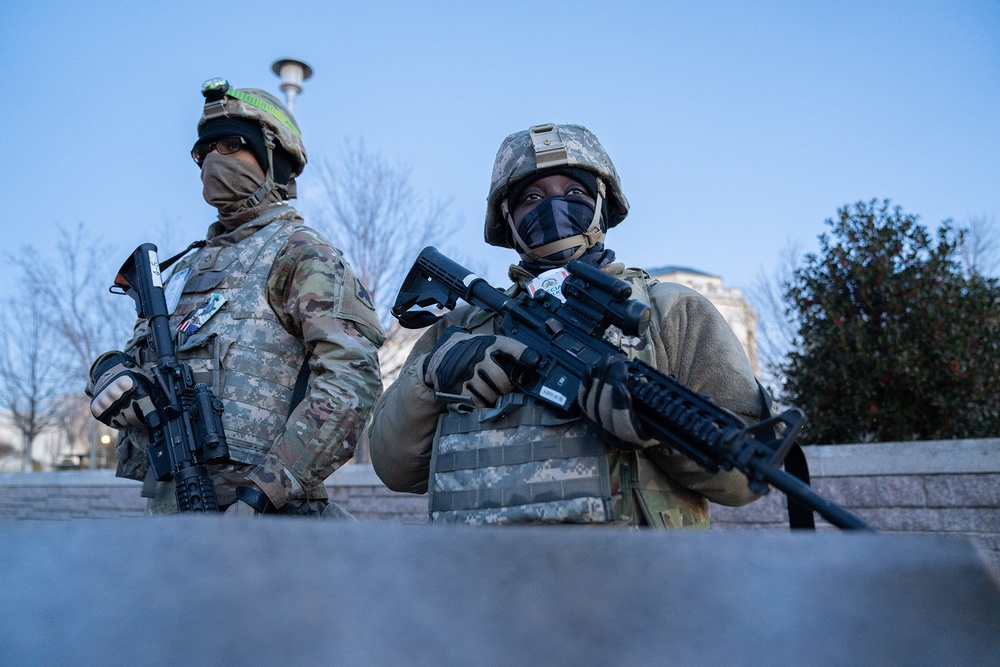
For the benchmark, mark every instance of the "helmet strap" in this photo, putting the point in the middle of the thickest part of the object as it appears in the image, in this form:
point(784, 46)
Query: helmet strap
point(588, 239)
point(268, 184)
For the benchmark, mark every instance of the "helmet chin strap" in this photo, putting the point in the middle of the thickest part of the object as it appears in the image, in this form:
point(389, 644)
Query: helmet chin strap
point(588, 239)
point(268, 184)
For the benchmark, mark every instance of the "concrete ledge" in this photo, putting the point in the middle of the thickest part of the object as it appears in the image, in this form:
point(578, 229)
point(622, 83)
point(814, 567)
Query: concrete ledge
point(929, 457)
point(68, 478)
point(349, 475)
point(207, 591)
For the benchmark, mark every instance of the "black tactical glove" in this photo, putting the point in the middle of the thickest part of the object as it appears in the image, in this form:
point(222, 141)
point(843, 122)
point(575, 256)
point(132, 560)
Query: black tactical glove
point(606, 404)
point(470, 365)
point(120, 390)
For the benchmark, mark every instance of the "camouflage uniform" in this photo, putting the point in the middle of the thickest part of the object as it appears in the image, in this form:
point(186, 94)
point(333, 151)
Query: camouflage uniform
point(292, 352)
point(688, 338)
point(316, 305)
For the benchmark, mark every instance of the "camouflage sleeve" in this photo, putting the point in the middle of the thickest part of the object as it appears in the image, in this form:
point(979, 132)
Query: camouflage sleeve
point(695, 344)
point(317, 298)
point(131, 450)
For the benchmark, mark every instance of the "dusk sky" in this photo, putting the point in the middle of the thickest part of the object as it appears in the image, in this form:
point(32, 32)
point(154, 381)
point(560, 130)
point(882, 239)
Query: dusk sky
point(736, 127)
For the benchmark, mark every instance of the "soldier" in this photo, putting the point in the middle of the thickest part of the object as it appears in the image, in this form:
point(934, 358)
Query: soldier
point(452, 423)
point(269, 315)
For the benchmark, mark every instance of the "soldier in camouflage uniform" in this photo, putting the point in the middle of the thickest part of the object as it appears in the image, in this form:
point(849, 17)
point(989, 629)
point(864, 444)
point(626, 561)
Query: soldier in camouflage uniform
point(269, 315)
point(451, 425)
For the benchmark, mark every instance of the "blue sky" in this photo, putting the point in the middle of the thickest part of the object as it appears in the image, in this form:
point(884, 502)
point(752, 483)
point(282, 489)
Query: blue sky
point(737, 127)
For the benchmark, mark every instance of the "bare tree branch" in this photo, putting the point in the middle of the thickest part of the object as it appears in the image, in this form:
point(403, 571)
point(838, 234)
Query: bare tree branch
point(80, 316)
point(979, 246)
point(32, 370)
point(370, 210)
point(86, 317)
point(776, 329)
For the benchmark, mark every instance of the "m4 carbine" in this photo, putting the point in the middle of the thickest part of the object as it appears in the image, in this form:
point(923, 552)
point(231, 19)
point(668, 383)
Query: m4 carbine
point(185, 430)
point(568, 336)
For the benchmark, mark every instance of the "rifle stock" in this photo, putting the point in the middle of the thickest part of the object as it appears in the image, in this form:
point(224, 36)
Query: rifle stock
point(568, 337)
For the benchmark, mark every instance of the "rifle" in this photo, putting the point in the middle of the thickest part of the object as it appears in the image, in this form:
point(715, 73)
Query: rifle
point(568, 337)
point(186, 431)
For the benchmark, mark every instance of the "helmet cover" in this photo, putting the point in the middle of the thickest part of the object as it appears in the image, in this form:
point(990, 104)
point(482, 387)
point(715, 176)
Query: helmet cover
point(542, 149)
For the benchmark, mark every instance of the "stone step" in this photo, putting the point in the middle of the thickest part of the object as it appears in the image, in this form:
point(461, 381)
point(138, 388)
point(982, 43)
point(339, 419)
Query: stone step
point(211, 590)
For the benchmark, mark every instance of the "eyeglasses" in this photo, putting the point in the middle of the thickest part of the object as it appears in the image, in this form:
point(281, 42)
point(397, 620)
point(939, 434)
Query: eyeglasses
point(225, 146)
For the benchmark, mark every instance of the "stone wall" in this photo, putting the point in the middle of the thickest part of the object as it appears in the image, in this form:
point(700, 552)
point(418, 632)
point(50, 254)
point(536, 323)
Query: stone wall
point(944, 487)
point(100, 495)
point(358, 489)
point(68, 495)
point(949, 486)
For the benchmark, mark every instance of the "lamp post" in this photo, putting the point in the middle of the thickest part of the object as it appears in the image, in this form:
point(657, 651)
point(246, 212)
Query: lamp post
point(292, 73)
point(105, 440)
point(94, 435)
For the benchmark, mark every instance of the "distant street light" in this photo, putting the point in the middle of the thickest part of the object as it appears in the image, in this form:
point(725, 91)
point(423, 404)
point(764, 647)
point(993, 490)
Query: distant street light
point(292, 73)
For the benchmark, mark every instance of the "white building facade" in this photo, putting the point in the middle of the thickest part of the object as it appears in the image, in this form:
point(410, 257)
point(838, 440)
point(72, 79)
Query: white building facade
point(728, 300)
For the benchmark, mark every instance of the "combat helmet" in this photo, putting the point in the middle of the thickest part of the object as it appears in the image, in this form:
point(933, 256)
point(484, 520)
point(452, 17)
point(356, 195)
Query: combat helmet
point(277, 124)
point(551, 148)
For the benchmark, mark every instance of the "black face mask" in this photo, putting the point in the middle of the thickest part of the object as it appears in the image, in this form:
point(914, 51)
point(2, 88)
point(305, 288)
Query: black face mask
point(558, 218)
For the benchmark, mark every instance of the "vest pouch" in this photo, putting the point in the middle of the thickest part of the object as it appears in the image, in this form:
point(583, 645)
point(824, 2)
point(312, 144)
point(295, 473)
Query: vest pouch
point(664, 504)
point(517, 464)
point(201, 352)
point(260, 363)
point(204, 352)
point(203, 282)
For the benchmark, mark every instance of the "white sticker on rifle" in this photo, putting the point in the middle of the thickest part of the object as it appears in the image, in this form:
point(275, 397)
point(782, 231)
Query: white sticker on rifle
point(154, 267)
point(553, 395)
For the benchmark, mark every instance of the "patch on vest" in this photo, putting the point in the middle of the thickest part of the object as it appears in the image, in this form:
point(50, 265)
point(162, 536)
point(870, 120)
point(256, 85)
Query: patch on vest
point(197, 319)
point(207, 257)
point(364, 296)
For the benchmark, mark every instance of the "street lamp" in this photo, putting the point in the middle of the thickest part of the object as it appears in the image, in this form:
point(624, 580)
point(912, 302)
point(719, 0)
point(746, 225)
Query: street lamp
point(105, 440)
point(292, 73)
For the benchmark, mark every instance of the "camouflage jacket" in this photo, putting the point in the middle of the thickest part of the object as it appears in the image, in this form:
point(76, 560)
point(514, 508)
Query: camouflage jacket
point(313, 308)
point(692, 342)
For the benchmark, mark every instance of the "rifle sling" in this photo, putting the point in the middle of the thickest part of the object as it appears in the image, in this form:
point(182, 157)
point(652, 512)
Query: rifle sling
point(164, 265)
point(799, 516)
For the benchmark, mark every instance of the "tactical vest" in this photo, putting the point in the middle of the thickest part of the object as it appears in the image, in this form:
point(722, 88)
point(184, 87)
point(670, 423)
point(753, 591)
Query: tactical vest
point(242, 352)
point(517, 463)
point(521, 463)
